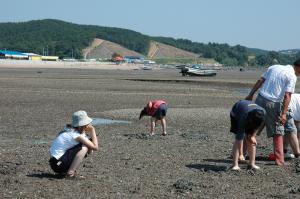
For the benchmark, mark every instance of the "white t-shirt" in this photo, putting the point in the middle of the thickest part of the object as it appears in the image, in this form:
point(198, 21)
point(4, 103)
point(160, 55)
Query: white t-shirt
point(63, 142)
point(295, 106)
point(278, 80)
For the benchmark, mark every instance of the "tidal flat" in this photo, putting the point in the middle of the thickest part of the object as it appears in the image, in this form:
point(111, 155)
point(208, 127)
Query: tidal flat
point(192, 161)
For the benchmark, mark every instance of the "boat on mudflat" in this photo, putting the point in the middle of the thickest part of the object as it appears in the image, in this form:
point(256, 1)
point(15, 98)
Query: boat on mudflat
point(196, 70)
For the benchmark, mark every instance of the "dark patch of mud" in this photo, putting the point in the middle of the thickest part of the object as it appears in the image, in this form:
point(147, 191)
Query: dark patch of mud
point(208, 167)
point(198, 82)
point(182, 185)
point(9, 168)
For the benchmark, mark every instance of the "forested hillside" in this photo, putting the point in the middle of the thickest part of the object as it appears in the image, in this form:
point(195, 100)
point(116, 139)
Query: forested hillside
point(55, 37)
point(231, 55)
point(62, 38)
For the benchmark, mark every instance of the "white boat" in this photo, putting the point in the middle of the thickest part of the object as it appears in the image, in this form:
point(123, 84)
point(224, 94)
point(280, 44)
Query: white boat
point(196, 70)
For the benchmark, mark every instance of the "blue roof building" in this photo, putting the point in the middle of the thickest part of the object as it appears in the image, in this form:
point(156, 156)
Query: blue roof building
point(7, 54)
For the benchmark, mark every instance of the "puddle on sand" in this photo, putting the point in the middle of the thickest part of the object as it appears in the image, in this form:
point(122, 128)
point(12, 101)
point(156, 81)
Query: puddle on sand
point(102, 121)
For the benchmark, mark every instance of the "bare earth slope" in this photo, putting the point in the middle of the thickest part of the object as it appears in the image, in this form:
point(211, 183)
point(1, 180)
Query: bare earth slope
point(104, 49)
point(159, 50)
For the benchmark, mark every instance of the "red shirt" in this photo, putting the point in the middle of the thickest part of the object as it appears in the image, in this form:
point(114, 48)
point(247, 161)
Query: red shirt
point(153, 106)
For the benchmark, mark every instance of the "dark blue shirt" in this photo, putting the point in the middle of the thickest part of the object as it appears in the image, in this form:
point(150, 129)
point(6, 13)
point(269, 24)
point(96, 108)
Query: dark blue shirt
point(240, 112)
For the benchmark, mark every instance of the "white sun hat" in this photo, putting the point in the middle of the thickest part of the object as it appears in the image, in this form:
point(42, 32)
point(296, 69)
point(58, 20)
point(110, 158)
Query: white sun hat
point(80, 118)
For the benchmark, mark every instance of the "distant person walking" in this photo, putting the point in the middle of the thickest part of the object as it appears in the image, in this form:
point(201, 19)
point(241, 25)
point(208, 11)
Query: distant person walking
point(71, 145)
point(246, 120)
point(277, 84)
point(157, 109)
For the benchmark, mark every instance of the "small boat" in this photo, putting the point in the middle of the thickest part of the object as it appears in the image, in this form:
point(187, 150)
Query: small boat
point(196, 70)
point(145, 67)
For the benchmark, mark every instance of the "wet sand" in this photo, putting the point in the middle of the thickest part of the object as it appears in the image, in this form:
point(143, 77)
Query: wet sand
point(192, 161)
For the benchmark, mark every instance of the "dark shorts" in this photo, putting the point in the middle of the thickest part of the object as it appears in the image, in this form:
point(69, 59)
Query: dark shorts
point(161, 112)
point(63, 164)
point(234, 129)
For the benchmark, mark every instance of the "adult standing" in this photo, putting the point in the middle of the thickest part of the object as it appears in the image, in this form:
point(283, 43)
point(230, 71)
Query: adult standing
point(277, 84)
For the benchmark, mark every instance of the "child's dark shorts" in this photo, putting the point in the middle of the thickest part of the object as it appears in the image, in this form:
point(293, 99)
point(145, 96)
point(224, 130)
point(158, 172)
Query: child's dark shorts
point(161, 112)
point(63, 164)
point(235, 129)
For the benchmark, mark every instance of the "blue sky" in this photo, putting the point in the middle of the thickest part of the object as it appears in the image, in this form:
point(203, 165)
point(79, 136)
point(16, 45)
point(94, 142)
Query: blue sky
point(265, 24)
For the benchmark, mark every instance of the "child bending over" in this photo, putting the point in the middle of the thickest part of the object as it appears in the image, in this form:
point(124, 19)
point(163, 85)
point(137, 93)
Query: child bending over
point(247, 119)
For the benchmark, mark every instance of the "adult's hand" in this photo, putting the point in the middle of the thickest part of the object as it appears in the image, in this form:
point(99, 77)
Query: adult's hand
point(249, 97)
point(283, 118)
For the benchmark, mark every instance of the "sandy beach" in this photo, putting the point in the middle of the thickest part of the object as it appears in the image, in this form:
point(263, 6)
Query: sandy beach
point(66, 64)
point(192, 161)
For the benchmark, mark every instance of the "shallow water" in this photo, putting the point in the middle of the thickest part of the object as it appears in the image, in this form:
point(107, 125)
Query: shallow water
point(102, 121)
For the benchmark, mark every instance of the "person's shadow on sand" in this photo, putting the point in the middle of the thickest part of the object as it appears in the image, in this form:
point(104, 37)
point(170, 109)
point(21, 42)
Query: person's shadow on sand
point(208, 167)
point(46, 175)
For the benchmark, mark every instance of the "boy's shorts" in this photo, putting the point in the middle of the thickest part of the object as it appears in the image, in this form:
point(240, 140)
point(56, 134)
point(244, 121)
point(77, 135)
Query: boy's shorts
point(234, 129)
point(161, 112)
point(63, 164)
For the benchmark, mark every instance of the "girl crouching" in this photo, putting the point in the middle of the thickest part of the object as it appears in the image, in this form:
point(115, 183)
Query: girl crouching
point(72, 144)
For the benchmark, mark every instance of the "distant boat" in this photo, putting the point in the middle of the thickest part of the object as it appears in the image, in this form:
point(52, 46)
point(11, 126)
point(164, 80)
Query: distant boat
point(197, 70)
point(145, 67)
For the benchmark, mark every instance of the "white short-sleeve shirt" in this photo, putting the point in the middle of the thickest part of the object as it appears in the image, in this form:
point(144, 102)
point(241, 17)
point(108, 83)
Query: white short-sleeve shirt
point(295, 106)
point(278, 80)
point(63, 142)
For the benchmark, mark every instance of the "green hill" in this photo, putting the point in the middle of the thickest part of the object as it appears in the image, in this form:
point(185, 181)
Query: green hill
point(62, 38)
point(55, 37)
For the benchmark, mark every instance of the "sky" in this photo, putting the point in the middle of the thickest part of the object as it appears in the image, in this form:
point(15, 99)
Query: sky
point(264, 24)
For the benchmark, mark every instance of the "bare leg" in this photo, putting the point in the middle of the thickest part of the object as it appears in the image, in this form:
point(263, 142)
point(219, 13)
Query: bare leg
point(77, 160)
point(294, 143)
point(241, 152)
point(153, 122)
point(235, 154)
point(297, 123)
point(251, 152)
point(164, 125)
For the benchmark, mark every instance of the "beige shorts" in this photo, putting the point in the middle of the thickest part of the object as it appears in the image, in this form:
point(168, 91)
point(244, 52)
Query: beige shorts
point(297, 123)
point(273, 124)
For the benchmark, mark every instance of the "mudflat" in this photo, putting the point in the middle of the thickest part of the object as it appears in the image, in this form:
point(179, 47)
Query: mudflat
point(192, 161)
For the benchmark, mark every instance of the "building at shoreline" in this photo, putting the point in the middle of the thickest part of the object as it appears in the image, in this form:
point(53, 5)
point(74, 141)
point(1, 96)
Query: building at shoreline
point(7, 54)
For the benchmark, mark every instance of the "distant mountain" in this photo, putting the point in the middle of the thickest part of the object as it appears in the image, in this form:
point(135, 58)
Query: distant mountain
point(55, 37)
point(290, 51)
point(257, 51)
